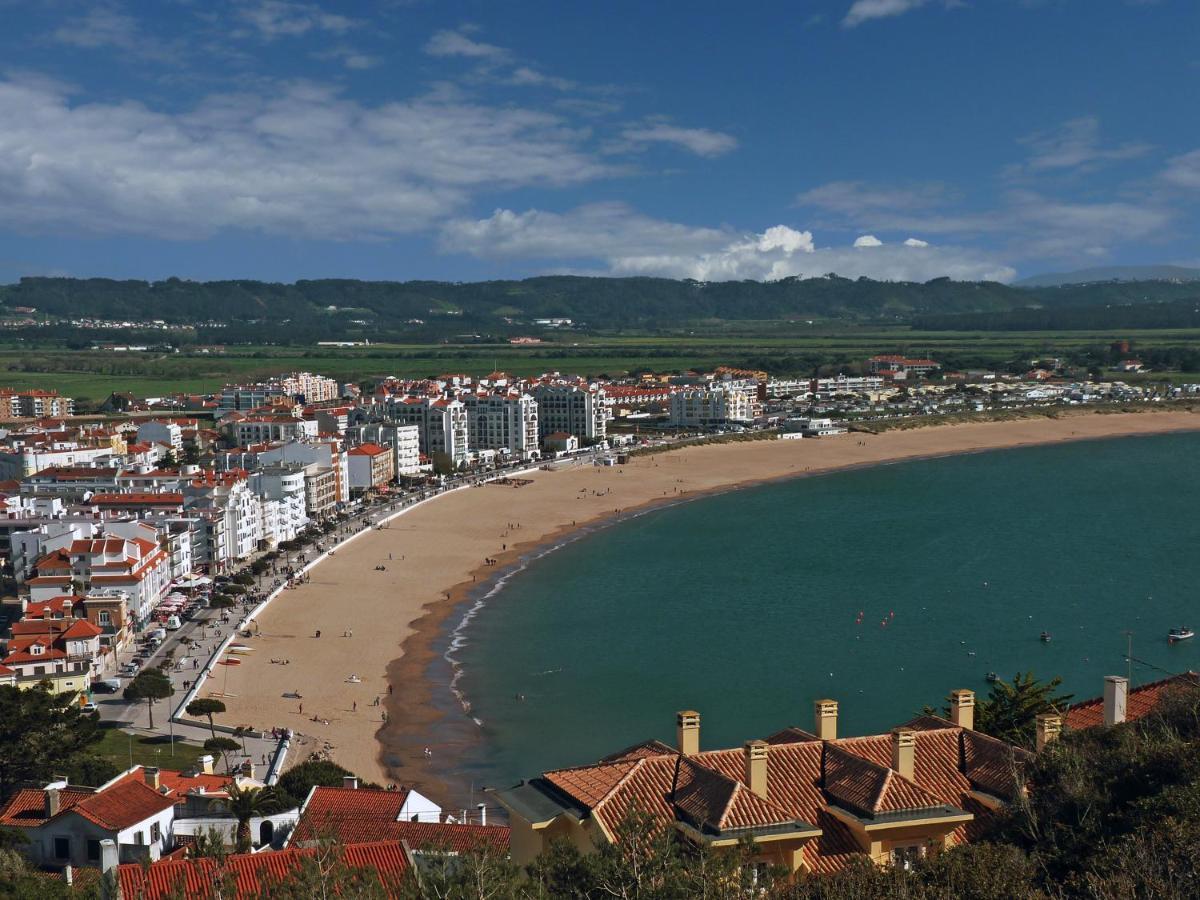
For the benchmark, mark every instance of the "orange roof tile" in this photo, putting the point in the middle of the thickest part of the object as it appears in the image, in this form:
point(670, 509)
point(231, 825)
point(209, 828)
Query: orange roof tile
point(1141, 701)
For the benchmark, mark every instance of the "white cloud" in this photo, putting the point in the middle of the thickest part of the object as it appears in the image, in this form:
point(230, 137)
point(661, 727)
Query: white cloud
point(1184, 171)
point(1075, 143)
point(273, 19)
point(524, 76)
point(866, 10)
point(454, 43)
point(626, 242)
point(915, 242)
point(1029, 223)
point(102, 26)
point(295, 159)
point(868, 240)
point(701, 141)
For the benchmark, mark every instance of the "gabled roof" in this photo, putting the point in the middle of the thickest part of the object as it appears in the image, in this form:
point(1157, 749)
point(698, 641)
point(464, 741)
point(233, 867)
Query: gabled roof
point(27, 807)
point(253, 873)
point(329, 809)
point(122, 805)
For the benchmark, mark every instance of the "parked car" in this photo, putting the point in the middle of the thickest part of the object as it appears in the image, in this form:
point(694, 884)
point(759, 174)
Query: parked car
point(173, 623)
point(106, 685)
point(89, 708)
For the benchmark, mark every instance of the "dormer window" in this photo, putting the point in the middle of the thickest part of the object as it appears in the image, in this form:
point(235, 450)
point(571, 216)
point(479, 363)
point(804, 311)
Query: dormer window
point(37, 649)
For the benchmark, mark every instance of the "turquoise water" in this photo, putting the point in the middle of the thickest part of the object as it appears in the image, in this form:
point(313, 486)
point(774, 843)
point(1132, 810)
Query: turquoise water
point(743, 606)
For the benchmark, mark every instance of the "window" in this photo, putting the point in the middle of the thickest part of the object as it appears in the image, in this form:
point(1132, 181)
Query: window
point(93, 850)
point(139, 838)
point(105, 617)
point(155, 833)
point(62, 848)
point(907, 856)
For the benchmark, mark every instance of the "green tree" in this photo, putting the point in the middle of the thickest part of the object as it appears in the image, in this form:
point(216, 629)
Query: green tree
point(150, 685)
point(224, 746)
point(1011, 708)
point(250, 803)
point(206, 706)
point(39, 737)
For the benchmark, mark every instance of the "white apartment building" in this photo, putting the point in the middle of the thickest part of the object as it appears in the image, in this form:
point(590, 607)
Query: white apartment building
point(265, 429)
point(571, 409)
point(282, 485)
point(162, 433)
point(228, 494)
point(442, 423)
point(326, 453)
point(716, 405)
point(506, 422)
point(304, 386)
point(22, 458)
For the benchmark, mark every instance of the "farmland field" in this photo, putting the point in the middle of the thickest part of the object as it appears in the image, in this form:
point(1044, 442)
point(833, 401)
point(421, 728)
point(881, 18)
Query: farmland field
point(781, 348)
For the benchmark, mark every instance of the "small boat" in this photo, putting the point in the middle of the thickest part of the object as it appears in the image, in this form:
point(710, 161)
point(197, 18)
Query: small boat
point(992, 677)
point(1045, 637)
point(1180, 634)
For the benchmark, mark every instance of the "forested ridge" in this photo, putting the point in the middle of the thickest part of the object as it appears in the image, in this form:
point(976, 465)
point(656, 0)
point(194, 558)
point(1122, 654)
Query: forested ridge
point(342, 307)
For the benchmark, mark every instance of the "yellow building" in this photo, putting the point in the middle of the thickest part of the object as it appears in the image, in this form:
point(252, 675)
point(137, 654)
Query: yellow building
point(808, 800)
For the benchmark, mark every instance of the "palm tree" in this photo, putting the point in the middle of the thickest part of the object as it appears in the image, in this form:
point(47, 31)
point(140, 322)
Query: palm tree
point(250, 803)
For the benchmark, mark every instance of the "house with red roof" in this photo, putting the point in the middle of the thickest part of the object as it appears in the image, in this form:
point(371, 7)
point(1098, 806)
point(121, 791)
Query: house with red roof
point(806, 800)
point(359, 813)
point(66, 824)
point(64, 652)
point(1121, 703)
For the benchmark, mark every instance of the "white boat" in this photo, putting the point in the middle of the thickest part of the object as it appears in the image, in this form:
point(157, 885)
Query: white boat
point(1180, 634)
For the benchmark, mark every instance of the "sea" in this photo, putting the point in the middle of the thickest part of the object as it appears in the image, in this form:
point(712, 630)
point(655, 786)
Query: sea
point(883, 588)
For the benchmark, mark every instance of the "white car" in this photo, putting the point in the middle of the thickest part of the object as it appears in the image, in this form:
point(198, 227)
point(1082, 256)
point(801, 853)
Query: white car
point(89, 708)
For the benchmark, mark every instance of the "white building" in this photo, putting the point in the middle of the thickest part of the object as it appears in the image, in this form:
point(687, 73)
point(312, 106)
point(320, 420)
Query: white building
point(162, 433)
point(442, 423)
point(282, 485)
point(506, 422)
point(572, 409)
point(715, 405)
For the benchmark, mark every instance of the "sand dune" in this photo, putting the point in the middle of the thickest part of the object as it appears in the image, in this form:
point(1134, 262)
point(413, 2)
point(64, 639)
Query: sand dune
point(434, 552)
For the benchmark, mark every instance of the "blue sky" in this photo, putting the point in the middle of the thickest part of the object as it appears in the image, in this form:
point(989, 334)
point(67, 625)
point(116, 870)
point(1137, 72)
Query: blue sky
point(286, 139)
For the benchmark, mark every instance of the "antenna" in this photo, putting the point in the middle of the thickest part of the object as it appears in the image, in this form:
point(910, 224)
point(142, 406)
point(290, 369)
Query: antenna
point(1129, 657)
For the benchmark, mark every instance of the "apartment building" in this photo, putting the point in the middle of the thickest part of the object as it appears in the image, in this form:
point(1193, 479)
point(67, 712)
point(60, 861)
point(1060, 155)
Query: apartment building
point(571, 408)
point(715, 405)
point(442, 424)
point(304, 387)
point(283, 485)
point(506, 422)
point(264, 429)
point(371, 467)
point(35, 404)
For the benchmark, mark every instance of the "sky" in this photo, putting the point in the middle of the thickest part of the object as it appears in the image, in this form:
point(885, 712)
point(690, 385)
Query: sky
point(410, 139)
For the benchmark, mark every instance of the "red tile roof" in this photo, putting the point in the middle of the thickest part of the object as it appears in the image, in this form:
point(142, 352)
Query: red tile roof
point(330, 808)
point(1141, 701)
point(122, 805)
point(252, 874)
point(27, 807)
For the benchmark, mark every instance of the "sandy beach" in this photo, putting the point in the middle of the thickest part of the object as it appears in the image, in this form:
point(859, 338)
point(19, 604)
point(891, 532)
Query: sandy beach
point(383, 627)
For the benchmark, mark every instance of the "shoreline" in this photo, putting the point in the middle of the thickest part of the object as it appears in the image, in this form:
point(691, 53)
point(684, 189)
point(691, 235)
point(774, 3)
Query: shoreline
point(416, 668)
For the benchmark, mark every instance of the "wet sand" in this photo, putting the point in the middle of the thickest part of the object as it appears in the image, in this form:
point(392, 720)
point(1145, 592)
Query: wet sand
point(387, 627)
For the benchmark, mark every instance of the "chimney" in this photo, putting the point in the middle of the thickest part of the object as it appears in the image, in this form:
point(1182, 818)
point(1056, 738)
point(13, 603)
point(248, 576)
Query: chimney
point(482, 813)
point(962, 708)
point(756, 766)
point(904, 752)
point(206, 764)
point(350, 781)
point(109, 855)
point(1116, 693)
point(52, 800)
point(687, 732)
point(825, 716)
point(1049, 726)
point(150, 773)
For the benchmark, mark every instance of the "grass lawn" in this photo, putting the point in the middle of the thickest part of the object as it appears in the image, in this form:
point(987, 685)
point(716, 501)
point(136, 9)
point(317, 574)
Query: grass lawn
point(148, 750)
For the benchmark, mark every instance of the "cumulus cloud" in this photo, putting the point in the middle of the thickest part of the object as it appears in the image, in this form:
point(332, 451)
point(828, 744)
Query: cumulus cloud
point(295, 159)
point(454, 43)
point(915, 242)
point(868, 240)
point(701, 141)
point(626, 242)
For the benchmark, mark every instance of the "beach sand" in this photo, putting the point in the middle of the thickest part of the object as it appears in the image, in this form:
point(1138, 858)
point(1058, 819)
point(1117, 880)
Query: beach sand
point(385, 626)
